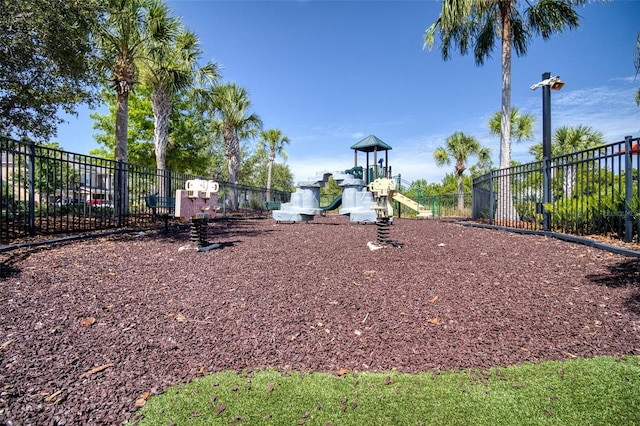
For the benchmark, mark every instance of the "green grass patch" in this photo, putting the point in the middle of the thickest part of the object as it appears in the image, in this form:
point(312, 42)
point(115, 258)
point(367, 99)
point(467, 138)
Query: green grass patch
point(598, 391)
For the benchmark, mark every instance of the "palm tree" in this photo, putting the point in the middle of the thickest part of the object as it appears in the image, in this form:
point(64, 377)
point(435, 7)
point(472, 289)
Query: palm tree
point(568, 140)
point(171, 66)
point(273, 141)
point(122, 41)
point(460, 147)
point(521, 125)
point(477, 23)
point(230, 104)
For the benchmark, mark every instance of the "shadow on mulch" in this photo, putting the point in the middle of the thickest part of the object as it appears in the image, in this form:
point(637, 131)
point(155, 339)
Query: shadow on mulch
point(7, 266)
point(226, 228)
point(218, 229)
point(622, 275)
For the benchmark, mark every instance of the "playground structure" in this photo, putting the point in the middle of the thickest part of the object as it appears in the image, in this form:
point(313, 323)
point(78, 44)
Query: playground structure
point(355, 201)
point(198, 203)
point(366, 192)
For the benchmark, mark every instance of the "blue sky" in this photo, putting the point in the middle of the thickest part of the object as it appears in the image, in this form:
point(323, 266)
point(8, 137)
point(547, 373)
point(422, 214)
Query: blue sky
point(329, 73)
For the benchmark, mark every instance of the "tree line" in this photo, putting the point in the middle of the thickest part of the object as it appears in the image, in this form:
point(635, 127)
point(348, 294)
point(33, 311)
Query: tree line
point(166, 107)
point(169, 109)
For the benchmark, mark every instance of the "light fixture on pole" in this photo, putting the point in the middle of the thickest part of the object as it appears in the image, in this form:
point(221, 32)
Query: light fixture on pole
point(547, 84)
point(553, 82)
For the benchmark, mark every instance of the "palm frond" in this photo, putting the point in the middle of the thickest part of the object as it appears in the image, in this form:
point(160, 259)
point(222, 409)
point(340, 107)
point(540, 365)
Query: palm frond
point(548, 17)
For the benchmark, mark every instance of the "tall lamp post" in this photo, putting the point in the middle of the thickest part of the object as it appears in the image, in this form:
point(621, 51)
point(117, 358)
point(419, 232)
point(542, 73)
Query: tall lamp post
point(547, 84)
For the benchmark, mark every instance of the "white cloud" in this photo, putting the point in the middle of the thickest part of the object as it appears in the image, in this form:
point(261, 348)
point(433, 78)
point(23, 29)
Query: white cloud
point(611, 110)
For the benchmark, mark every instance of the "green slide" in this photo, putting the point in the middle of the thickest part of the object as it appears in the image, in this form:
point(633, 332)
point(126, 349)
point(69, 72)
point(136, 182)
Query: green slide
point(333, 205)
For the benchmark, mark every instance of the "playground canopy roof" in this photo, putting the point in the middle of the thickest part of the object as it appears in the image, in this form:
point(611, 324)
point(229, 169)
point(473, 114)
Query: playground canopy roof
point(371, 144)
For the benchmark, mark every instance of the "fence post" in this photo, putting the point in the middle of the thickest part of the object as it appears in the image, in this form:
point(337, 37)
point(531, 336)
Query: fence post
point(628, 190)
point(492, 199)
point(118, 194)
point(546, 193)
point(224, 200)
point(32, 188)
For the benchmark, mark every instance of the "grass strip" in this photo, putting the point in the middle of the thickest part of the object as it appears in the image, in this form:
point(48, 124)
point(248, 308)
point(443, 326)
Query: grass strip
point(602, 391)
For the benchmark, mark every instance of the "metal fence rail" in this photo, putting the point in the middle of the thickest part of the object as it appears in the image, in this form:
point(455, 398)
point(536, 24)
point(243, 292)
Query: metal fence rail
point(46, 191)
point(595, 191)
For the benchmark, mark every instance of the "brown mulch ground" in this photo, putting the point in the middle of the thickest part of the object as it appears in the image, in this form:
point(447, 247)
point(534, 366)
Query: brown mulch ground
point(87, 328)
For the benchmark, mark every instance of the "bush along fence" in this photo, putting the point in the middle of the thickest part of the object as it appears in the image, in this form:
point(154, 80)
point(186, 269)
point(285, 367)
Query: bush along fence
point(590, 192)
point(45, 191)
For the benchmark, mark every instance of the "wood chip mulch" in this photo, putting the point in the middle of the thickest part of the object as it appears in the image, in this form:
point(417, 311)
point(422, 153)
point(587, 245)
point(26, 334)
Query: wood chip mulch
point(90, 329)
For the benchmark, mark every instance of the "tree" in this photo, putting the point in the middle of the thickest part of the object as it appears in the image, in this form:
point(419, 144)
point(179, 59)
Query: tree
point(482, 167)
point(281, 178)
point(521, 125)
point(419, 191)
point(230, 105)
point(171, 66)
point(477, 23)
point(272, 142)
point(254, 173)
point(123, 40)
point(120, 42)
point(460, 147)
point(189, 149)
point(568, 140)
point(139, 128)
point(330, 191)
point(46, 57)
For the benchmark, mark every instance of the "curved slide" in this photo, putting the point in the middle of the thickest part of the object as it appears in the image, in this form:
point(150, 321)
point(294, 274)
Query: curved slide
point(337, 202)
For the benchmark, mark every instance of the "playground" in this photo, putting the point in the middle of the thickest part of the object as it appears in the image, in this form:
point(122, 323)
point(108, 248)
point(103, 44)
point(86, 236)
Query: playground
point(367, 192)
point(89, 327)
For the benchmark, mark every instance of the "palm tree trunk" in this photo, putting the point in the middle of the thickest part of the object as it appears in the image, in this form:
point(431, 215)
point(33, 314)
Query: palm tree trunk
point(506, 211)
point(161, 106)
point(234, 165)
point(122, 125)
point(232, 152)
point(460, 193)
point(505, 120)
point(272, 158)
point(121, 188)
point(568, 181)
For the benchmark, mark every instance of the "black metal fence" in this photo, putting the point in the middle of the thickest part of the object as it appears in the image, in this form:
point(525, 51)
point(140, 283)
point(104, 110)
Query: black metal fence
point(46, 191)
point(593, 192)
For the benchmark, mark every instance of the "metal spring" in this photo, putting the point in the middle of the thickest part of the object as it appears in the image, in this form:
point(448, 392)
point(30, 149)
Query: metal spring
point(383, 231)
point(198, 232)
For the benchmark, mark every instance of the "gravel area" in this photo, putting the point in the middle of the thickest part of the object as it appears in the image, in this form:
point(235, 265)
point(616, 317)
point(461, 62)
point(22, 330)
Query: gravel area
point(89, 327)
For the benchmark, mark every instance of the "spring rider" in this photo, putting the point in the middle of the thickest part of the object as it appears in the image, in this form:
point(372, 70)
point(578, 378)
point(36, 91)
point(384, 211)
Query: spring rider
point(198, 203)
point(382, 190)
